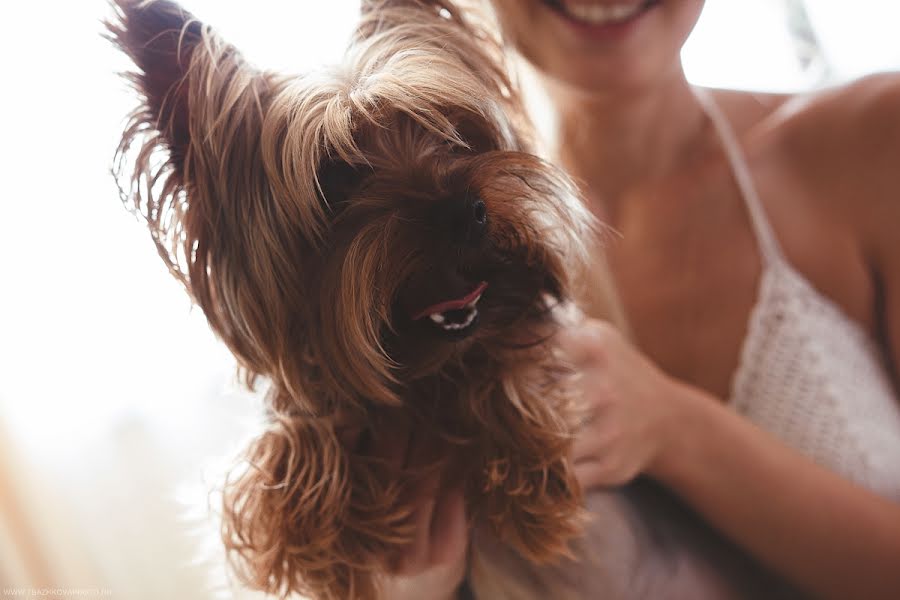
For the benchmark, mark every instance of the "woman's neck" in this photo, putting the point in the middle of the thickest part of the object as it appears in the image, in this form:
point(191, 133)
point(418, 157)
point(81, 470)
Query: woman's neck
point(616, 142)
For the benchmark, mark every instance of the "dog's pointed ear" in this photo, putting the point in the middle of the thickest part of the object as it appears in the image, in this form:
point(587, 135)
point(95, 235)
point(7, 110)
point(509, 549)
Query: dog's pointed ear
point(189, 166)
point(160, 38)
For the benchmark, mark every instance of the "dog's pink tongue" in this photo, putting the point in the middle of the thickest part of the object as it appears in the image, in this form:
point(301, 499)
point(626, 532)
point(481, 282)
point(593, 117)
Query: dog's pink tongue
point(455, 304)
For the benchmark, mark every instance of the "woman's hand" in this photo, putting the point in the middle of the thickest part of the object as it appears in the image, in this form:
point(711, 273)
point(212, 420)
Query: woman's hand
point(434, 564)
point(823, 533)
point(632, 407)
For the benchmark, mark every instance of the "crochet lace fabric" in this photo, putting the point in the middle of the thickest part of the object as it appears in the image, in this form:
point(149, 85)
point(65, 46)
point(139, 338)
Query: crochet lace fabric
point(808, 373)
point(815, 379)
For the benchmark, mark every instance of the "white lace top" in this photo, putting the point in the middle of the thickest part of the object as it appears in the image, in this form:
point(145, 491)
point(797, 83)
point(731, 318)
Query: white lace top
point(808, 374)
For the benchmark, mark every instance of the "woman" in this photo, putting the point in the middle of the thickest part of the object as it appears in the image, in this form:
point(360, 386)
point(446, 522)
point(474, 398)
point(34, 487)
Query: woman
point(759, 272)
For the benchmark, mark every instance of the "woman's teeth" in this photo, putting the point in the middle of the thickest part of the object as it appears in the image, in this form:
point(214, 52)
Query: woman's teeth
point(601, 14)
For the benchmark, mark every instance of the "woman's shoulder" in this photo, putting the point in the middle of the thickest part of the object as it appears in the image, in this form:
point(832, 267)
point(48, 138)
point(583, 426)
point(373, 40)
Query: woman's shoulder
point(843, 143)
point(843, 121)
point(838, 150)
point(839, 146)
point(850, 121)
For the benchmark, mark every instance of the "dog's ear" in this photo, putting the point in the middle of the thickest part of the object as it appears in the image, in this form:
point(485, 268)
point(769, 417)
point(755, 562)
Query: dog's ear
point(476, 87)
point(188, 165)
point(191, 80)
point(160, 37)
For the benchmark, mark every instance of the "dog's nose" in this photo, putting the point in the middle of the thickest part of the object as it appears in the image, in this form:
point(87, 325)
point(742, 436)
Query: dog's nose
point(479, 213)
point(475, 219)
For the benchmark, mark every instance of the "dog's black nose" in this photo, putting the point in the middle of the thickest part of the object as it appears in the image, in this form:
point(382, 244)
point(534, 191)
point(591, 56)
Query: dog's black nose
point(479, 212)
point(475, 213)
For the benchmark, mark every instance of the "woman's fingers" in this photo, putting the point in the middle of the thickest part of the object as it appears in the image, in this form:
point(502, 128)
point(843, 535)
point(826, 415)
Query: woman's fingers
point(416, 556)
point(598, 432)
point(441, 532)
point(440, 529)
point(449, 528)
point(590, 473)
point(575, 346)
point(600, 474)
point(587, 342)
point(584, 446)
point(435, 563)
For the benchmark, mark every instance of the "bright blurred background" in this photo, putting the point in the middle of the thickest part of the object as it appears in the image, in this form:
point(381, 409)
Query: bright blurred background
point(118, 407)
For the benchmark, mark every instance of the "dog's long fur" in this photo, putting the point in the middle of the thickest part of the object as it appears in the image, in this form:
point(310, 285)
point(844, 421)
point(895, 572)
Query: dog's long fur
point(308, 216)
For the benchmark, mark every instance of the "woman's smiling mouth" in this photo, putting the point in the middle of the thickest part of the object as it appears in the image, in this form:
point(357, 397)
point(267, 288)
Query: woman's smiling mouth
point(600, 13)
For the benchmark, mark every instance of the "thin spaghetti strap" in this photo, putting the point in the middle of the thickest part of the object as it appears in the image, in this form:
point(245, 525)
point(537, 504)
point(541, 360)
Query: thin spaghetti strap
point(765, 236)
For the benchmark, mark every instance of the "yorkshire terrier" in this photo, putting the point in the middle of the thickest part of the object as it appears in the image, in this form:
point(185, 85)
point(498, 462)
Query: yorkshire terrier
point(380, 243)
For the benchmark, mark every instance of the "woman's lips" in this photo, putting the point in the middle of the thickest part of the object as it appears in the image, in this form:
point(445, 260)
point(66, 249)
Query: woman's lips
point(601, 13)
point(601, 18)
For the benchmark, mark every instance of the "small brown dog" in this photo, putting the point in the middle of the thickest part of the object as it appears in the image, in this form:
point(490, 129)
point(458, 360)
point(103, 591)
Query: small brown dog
point(378, 242)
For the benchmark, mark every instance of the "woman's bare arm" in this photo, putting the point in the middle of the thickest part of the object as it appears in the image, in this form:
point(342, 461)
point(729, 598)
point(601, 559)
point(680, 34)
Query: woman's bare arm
point(822, 532)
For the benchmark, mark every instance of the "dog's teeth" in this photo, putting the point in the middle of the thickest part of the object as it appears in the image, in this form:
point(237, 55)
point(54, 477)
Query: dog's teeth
point(441, 320)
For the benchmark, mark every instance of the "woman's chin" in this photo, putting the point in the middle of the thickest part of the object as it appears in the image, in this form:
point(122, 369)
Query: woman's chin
point(600, 46)
point(591, 77)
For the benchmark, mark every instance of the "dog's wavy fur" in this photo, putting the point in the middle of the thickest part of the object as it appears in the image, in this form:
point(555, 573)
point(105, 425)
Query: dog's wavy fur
point(299, 213)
